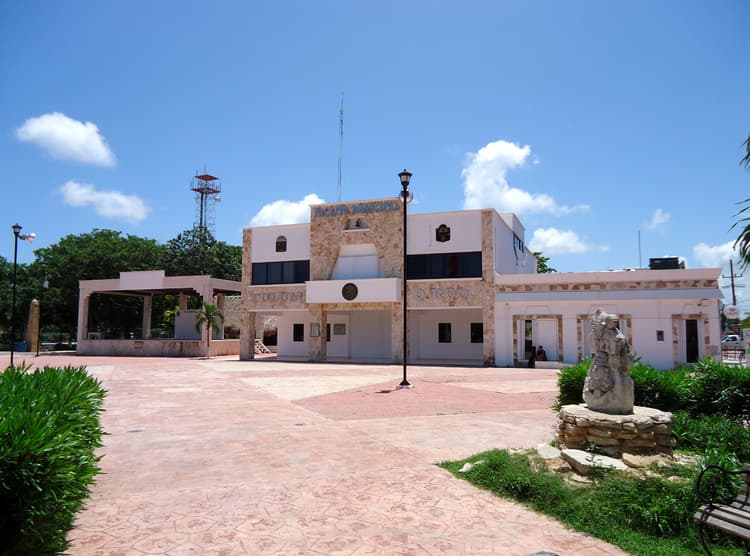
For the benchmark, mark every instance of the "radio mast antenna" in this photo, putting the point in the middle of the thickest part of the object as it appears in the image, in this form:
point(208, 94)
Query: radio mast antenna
point(341, 143)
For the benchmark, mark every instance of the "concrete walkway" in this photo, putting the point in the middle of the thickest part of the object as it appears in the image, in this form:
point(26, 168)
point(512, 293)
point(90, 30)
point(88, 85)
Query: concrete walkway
point(265, 457)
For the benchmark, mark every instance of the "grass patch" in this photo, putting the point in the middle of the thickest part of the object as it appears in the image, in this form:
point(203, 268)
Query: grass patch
point(642, 515)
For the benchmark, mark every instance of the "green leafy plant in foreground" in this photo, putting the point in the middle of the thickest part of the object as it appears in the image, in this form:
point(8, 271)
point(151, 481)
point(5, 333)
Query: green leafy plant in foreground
point(49, 431)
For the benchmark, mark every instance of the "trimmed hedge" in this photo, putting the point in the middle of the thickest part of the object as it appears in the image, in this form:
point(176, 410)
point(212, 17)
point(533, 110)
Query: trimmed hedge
point(705, 388)
point(49, 431)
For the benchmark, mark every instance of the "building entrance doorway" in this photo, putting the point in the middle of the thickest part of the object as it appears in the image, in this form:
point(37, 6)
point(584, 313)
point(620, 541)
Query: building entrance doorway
point(691, 341)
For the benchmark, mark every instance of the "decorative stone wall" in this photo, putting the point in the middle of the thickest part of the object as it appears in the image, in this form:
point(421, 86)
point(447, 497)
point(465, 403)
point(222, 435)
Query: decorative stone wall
point(382, 226)
point(645, 431)
point(597, 286)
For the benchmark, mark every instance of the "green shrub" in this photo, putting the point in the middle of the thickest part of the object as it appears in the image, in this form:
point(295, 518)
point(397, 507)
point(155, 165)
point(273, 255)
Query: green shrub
point(665, 390)
point(725, 442)
point(570, 382)
point(717, 388)
point(49, 431)
point(706, 388)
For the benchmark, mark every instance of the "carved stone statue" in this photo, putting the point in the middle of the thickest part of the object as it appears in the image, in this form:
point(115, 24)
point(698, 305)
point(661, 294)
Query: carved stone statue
point(608, 387)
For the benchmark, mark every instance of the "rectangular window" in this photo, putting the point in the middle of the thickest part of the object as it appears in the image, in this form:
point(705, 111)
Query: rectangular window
point(298, 332)
point(282, 272)
point(259, 274)
point(274, 273)
point(477, 333)
point(339, 329)
point(444, 265)
point(287, 272)
point(444, 332)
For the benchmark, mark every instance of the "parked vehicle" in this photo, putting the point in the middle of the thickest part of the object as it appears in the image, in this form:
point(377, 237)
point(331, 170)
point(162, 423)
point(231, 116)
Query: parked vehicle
point(732, 341)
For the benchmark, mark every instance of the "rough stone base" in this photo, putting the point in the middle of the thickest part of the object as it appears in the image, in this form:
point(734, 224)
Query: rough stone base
point(645, 431)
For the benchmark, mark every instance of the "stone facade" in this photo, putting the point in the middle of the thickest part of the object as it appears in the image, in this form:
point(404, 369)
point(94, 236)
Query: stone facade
point(377, 224)
point(645, 431)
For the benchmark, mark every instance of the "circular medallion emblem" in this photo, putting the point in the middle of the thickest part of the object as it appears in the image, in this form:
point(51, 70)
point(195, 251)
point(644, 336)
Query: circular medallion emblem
point(349, 291)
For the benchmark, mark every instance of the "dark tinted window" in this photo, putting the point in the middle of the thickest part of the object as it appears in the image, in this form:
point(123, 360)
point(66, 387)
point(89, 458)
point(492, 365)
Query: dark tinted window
point(477, 333)
point(444, 265)
point(285, 272)
point(298, 332)
point(444, 332)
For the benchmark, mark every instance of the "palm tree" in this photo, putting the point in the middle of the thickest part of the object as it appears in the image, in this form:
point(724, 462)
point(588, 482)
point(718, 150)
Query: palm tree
point(210, 316)
point(742, 244)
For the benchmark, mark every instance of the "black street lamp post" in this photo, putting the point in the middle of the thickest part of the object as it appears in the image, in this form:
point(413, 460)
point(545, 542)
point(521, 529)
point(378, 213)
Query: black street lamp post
point(16, 236)
point(405, 177)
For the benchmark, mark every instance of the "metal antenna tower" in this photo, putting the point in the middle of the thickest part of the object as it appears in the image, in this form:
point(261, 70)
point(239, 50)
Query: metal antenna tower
point(207, 189)
point(341, 143)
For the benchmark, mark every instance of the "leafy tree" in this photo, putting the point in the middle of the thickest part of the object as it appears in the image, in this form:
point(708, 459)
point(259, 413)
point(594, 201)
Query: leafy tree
point(542, 264)
point(197, 252)
point(99, 254)
point(742, 243)
point(210, 316)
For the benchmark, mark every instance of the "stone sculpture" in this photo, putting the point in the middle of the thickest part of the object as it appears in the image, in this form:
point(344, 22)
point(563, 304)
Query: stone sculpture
point(608, 387)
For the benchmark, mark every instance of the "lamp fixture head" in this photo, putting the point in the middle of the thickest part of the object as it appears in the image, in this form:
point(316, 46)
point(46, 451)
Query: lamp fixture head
point(405, 177)
point(17, 229)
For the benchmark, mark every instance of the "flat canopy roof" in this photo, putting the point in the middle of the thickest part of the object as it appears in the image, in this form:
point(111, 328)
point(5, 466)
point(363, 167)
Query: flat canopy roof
point(154, 281)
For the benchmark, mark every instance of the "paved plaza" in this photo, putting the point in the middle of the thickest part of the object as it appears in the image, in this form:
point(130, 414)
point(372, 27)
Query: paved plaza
point(265, 457)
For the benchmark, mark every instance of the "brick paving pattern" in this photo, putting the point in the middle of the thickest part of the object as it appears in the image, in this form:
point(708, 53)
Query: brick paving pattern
point(222, 457)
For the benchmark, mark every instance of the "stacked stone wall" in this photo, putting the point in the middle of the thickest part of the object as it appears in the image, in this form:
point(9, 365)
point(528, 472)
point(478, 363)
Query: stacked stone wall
point(645, 431)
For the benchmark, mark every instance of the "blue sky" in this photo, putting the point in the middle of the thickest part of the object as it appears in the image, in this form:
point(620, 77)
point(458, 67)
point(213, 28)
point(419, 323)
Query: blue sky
point(591, 120)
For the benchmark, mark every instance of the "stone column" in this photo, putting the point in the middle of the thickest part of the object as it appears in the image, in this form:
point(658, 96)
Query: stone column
point(32, 329)
point(397, 327)
point(148, 301)
point(488, 288)
point(83, 316)
point(247, 336)
point(220, 306)
point(317, 344)
point(488, 329)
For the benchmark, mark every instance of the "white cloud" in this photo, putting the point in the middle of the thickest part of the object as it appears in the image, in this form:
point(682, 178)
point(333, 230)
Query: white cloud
point(486, 184)
point(286, 212)
point(67, 139)
point(714, 255)
point(658, 220)
point(111, 204)
point(552, 241)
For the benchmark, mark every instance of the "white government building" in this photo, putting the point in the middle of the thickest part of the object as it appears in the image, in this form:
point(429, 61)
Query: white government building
point(330, 290)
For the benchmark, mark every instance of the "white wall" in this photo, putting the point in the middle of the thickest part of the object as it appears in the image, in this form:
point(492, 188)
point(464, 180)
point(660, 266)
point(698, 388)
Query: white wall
point(286, 346)
point(423, 339)
point(356, 261)
point(466, 232)
point(263, 248)
point(370, 335)
point(508, 260)
point(648, 316)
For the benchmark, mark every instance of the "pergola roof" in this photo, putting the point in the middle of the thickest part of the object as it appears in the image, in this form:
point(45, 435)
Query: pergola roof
point(154, 281)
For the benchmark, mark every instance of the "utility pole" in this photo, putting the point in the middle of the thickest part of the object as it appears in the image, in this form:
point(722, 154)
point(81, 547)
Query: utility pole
point(731, 277)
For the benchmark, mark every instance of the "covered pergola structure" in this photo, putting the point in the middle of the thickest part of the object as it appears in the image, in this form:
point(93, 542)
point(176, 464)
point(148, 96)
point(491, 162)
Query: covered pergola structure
point(187, 342)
